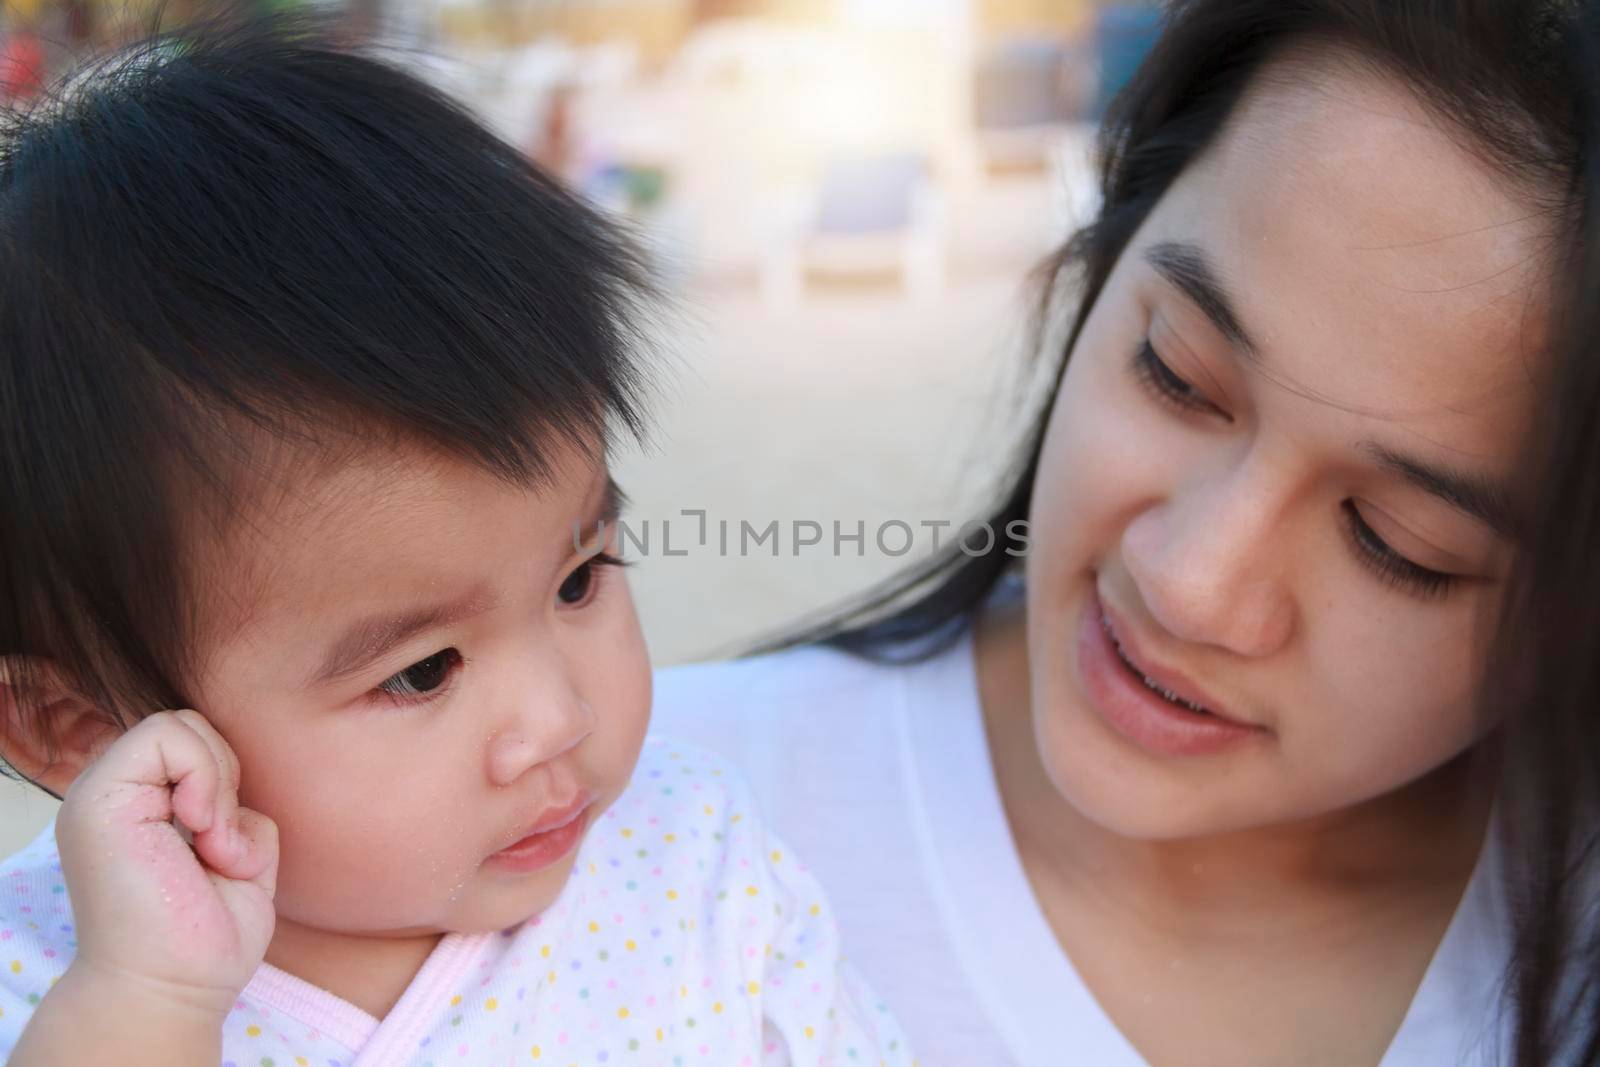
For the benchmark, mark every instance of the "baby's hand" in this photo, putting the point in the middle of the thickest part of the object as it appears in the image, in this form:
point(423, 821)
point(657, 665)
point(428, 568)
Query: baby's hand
point(189, 925)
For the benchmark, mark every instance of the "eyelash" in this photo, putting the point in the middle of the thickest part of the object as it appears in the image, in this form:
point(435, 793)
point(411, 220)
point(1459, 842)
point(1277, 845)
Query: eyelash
point(1152, 371)
point(599, 562)
point(1388, 565)
point(1392, 567)
point(453, 666)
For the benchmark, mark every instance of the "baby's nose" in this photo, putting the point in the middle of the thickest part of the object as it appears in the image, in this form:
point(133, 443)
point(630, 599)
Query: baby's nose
point(516, 750)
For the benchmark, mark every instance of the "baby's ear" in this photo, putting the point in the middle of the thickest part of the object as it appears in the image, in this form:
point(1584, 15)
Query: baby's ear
point(49, 732)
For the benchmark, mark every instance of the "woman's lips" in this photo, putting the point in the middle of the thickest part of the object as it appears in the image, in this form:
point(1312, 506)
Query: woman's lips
point(1169, 683)
point(1119, 694)
point(548, 841)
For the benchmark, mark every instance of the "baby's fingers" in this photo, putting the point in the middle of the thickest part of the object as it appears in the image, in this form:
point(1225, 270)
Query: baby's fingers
point(225, 793)
point(244, 849)
point(246, 887)
point(190, 767)
point(192, 909)
point(161, 768)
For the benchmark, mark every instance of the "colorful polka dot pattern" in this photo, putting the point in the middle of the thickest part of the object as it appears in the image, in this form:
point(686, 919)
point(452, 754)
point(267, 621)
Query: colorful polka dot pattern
point(687, 936)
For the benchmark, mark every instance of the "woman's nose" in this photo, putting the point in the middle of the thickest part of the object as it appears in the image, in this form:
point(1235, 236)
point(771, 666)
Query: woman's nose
point(1211, 563)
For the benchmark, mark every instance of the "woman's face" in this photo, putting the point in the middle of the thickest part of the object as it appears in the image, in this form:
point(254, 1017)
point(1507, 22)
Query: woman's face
point(1275, 478)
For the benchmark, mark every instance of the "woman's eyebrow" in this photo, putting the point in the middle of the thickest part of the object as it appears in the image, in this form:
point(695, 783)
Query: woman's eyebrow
point(1474, 494)
point(1187, 267)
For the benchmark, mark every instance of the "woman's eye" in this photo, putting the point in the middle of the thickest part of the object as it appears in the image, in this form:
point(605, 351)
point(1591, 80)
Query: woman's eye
point(1390, 566)
point(1160, 378)
point(423, 677)
point(579, 587)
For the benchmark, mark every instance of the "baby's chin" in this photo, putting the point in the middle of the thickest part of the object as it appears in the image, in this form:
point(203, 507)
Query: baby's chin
point(493, 904)
point(480, 906)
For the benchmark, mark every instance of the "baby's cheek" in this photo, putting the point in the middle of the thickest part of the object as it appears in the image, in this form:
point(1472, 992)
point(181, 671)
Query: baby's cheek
point(628, 719)
point(617, 683)
point(343, 832)
point(330, 882)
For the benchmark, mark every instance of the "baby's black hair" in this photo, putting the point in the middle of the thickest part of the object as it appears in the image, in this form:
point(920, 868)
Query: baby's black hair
point(247, 234)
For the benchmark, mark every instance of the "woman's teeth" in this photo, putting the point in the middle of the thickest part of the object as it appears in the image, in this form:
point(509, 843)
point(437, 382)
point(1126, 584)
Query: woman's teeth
point(1174, 697)
point(1150, 683)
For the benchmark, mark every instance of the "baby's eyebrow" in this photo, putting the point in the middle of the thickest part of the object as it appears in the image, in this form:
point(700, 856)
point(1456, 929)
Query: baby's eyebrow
point(612, 502)
point(588, 535)
point(368, 640)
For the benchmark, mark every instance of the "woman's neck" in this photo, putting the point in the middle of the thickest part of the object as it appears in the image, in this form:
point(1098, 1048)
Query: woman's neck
point(1424, 838)
point(368, 972)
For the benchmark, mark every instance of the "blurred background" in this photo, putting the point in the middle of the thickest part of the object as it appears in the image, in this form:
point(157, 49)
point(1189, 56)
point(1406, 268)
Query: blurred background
point(845, 199)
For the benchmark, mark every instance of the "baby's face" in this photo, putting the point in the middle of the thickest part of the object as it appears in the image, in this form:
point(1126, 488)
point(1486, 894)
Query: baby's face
point(418, 670)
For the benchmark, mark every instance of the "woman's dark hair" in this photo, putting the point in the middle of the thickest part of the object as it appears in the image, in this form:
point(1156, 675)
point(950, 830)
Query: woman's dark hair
point(1544, 678)
point(1520, 81)
point(242, 236)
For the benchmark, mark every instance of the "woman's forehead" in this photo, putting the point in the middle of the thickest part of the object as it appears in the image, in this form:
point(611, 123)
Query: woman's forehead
point(1373, 260)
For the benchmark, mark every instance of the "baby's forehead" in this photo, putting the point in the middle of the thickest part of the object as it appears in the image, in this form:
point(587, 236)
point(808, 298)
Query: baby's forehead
point(317, 541)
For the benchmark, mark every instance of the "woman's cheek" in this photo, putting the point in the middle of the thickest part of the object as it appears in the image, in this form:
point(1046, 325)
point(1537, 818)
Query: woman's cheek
point(1102, 458)
point(1414, 692)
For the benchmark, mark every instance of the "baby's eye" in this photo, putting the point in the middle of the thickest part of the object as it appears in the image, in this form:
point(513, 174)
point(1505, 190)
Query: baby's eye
point(422, 677)
point(579, 587)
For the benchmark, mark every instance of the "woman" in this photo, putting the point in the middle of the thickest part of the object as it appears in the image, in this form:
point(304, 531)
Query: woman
point(1215, 785)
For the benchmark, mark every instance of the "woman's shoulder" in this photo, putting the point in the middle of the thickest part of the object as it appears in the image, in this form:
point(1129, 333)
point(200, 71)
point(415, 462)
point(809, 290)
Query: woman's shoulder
point(808, 689)
point(799, 718)
point(784, 677)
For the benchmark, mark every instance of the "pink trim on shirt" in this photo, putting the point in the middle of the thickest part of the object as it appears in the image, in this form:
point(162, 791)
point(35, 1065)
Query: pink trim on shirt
point(376, 1044)
point(420, 1006)
point(311, 1005)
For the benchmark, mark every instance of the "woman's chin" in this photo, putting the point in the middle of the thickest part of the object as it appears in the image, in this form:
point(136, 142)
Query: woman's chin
point(1113, 785)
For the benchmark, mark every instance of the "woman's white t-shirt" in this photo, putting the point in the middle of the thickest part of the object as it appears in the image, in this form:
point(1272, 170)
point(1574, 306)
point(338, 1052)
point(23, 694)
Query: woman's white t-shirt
point(880, 775)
